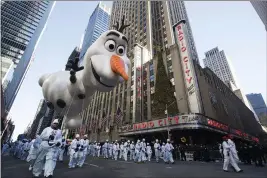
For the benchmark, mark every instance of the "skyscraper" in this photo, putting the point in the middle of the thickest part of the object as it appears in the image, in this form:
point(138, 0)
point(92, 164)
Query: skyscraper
point(22, 25)
point(150, 31)
point(98, 23)
point(216, 60)
point(258, 104)
point(261, 9)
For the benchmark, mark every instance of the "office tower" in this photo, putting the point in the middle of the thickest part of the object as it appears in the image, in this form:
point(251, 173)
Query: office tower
point(150, 31)
point(42, 119)
point(257, 102)
point(216, 60)
point(98, 23)
point(22, 25)
point(261, 9)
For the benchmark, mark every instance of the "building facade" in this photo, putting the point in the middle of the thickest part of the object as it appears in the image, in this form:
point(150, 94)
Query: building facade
point(261, 9)
point(98, 23)
point(22, 25)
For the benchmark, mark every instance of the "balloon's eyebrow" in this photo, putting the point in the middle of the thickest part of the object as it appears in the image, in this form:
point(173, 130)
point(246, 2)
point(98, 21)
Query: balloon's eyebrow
point(113, 33)
point(124, 38)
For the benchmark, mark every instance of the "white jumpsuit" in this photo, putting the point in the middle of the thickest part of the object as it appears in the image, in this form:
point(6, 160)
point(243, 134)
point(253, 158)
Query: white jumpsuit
point(137, 152)
point(74, 148)
point(115, 150)
point(157, 148)
point(105, 148)
point(233, 150)
point(61, 151)
point(110, 150)
point(143, 151)
point(149, 152)
point(168, 153)
point(46, 152)
point(33, 151)
point(98, 148)
point(82, 152)
point(121, 150)
point(132, 151)
point(228, 157)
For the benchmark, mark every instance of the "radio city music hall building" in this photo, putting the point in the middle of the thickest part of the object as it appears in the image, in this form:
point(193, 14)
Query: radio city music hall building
point(197, 102)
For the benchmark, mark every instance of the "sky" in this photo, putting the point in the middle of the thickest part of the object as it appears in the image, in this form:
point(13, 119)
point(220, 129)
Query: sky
point(232, 26)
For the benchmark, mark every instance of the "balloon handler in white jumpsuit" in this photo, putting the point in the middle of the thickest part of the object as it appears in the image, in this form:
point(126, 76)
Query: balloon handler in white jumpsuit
point(228, 156)
point(82, 153)
point(148, 152)
point(143, 150)
point(51, 140)
point(157, 148)
point(137, 152)
point(74, 151)
point(126, 148)
point(115, 150)
point(105, 149)
point(98, 148)
point(132, 153)
point(33, 151)
point(168, 152)
point(110, 150)
point(62, 150)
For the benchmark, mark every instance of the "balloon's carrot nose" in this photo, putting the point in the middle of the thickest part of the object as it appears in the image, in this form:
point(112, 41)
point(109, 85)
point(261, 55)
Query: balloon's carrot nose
point(118, 66)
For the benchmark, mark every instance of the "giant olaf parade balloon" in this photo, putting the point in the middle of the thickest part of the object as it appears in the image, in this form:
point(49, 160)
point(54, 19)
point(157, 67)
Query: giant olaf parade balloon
point(105, 64)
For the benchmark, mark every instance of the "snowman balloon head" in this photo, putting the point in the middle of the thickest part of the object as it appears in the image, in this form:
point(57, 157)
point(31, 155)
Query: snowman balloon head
point(107, 60)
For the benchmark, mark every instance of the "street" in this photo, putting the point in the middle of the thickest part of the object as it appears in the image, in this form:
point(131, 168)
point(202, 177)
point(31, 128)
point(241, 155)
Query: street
point(100, 168)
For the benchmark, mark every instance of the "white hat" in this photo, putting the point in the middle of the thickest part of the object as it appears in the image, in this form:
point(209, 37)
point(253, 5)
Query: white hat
point(144, 139)
point(168, 140)
point(77, 136)
point(147, 143)
point(157, 140)
point(128, 141)
point(55, 121)
point(106, 140)
point(85, 135)
point(116, 140)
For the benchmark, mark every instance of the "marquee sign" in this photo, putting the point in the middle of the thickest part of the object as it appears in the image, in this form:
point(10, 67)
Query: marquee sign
point(171, 121)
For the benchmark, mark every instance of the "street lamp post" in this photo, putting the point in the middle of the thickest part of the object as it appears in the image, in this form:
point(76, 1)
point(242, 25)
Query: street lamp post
point(166, 112)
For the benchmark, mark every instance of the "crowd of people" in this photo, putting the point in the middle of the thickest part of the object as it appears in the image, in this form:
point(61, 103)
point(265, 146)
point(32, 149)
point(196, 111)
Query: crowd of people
point(43, 152)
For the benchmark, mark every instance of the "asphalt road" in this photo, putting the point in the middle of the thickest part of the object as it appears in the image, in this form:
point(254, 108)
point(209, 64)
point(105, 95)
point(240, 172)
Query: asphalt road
point(100, 168)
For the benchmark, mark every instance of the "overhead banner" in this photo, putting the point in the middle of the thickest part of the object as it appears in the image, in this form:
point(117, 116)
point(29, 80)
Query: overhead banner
point(190, 79)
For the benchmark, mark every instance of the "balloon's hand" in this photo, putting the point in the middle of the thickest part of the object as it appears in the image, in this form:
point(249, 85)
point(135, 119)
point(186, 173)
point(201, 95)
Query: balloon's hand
point(74, 65)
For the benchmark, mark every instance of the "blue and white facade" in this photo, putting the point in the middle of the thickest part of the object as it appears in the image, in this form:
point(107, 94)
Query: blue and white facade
point(98, 23)
point(22, 25)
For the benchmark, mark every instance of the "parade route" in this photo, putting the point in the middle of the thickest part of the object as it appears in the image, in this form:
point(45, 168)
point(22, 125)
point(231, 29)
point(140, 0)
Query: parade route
point(101, 168)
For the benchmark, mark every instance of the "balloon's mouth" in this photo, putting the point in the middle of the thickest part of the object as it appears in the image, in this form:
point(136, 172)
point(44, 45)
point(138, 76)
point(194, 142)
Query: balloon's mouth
point(97, 77)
